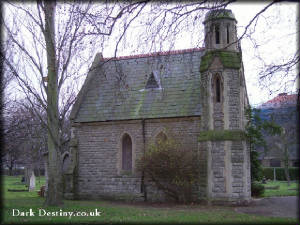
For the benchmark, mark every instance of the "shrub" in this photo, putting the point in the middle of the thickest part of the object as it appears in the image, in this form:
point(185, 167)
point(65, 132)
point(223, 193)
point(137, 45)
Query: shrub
point(172, 168)
point(268, 172)
point(256, 168)
point(257, 189)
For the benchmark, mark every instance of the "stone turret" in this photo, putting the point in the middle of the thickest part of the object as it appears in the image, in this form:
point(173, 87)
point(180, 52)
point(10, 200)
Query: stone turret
point(220, 30)
point(223, 98)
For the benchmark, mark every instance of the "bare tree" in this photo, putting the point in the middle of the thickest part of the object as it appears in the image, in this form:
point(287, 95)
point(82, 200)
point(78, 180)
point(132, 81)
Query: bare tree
point(162, 25)
point(53, 43)
point(24, 137)
point(284, 144)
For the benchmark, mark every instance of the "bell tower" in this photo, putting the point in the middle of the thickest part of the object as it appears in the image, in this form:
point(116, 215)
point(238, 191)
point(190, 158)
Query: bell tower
point(220, 30)
point(225, 152)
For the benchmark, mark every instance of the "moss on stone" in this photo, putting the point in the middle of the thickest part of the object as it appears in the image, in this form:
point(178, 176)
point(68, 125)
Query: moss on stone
point(222, 135)
point(139, 105)
point(229, 59)
point(219, 14)
point(185, 102)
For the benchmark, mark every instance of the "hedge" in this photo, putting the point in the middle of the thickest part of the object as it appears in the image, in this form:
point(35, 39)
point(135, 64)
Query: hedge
point(257, 189)
point(268, 173)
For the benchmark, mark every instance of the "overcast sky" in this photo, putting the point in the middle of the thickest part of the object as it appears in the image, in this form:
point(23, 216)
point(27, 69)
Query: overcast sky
point(274, 34)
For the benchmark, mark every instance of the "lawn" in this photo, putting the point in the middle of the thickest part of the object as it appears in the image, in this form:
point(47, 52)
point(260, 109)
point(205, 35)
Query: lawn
point(283, 188)
point(113, 212)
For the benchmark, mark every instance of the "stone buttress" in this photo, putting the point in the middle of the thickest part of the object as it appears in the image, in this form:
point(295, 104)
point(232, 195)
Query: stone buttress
point(222, 145)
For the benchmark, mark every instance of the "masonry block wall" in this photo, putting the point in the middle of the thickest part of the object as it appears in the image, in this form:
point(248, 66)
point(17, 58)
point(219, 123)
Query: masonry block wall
point(228, 161)
point(99, 145)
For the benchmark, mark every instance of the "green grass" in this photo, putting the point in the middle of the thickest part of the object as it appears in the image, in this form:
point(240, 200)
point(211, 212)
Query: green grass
point(113, 212)
point(283, 189)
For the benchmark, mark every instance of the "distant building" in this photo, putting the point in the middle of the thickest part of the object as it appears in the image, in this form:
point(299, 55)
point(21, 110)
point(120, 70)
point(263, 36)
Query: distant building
point(283, 110)
point(283, 100)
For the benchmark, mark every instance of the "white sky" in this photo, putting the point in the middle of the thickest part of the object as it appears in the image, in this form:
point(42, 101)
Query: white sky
point(274, 40)
point(273, 35)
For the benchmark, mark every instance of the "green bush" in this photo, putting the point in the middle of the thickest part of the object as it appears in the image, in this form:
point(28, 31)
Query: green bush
point(268, 173)
point(172, 167)
point(256, 168)
point(257, 189)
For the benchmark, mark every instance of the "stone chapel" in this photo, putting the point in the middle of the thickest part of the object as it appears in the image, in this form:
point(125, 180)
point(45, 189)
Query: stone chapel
point(199, 95)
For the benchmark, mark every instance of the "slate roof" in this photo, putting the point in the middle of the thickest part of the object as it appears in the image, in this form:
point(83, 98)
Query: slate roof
point(115, 88)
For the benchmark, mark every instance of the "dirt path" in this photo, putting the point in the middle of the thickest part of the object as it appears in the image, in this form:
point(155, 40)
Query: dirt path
point(274, 206)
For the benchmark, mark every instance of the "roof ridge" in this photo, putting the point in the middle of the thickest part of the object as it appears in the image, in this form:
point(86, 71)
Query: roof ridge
point(170, 52)
point(281, 100)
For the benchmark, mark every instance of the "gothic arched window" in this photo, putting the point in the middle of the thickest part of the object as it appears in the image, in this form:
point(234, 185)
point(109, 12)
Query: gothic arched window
point(218, 90)
point(217, 86)
point(126, 153)
point(160, 137)
point(217, 33)
point(227, 33)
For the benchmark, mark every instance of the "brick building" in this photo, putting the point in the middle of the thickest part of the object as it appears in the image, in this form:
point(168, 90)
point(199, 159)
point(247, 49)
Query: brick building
point(197, 95)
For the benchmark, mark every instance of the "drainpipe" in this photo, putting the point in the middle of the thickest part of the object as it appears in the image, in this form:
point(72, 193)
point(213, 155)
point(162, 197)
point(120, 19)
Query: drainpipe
point(143, 185)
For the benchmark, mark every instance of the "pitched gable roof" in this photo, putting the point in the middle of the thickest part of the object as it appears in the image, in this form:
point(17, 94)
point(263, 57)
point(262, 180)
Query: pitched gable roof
point(116, 88)
point(282, 100)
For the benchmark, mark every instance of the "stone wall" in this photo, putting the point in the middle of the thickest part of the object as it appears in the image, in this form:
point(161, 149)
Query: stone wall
point(233, 95)
point(228, 161)
point(228, 171)
point(99, 147)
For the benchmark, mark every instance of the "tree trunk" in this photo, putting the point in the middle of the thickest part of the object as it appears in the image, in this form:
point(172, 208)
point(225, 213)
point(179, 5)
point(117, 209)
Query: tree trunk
point(55, 182)
point(10, 165)
point(10, 168)
point(287, 175)
point(286, 166)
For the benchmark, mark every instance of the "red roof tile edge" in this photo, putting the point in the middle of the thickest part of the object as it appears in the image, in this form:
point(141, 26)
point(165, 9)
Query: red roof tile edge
point(281, 99)
point(172, 52)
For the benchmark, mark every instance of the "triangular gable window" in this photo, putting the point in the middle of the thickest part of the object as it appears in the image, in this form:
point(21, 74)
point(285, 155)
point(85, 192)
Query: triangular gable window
point(152, 82)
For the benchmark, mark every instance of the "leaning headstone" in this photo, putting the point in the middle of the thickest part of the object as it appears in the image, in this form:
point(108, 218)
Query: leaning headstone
point(32, 182)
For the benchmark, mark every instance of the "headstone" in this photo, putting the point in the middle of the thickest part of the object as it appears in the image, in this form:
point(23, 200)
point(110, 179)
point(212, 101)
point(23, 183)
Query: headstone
point(32, 182)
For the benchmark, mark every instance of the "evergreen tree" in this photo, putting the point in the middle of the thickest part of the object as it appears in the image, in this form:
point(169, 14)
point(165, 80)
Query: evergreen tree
point(254, 131)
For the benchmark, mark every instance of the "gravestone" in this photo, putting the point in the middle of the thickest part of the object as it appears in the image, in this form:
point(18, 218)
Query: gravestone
point(32, 182)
